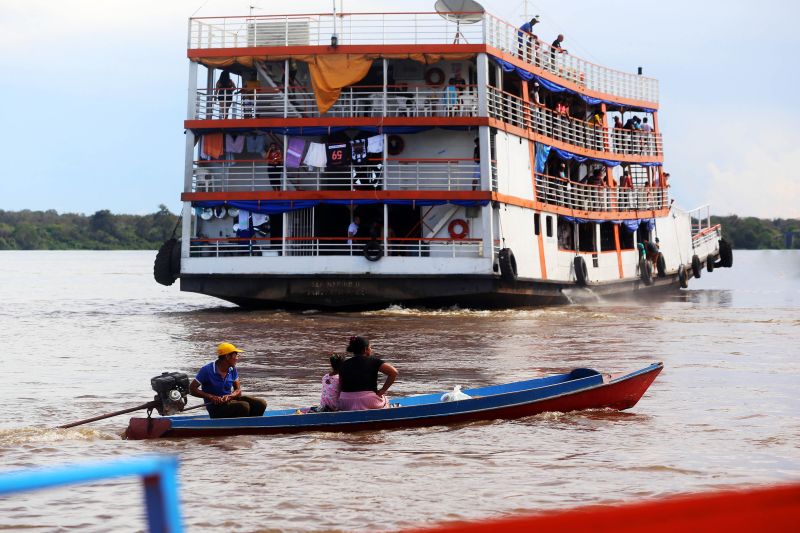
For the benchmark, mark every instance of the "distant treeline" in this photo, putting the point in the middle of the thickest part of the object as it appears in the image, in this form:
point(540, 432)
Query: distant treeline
point(47, 230)
point(750, 233)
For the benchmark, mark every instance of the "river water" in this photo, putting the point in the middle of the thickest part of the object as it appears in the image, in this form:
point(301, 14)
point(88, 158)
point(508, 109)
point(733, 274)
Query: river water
point(83, 333)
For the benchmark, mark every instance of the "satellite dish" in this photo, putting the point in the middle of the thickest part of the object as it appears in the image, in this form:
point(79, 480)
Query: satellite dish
point(460, 11)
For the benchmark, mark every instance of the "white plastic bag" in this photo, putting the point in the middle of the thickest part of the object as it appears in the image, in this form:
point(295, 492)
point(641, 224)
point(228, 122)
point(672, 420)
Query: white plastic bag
point(455, 395)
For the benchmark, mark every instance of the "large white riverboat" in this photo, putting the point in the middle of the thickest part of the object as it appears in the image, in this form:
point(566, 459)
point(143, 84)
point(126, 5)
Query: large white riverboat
point(358, 160)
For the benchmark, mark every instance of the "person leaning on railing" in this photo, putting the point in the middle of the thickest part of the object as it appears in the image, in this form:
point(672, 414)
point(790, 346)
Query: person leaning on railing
point(555, 48)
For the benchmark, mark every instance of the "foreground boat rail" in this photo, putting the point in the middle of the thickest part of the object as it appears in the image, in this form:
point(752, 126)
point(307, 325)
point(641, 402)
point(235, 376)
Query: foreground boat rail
point(159, 477)
point(412, 29)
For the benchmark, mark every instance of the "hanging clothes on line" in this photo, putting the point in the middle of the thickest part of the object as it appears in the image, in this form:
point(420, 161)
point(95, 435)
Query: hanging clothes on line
point(358, 152)
point(375, 144)
point(294, 152)
point(256, 143)
point(212, 145)
point(315, 157)
point(234, 143)
point(338, 154)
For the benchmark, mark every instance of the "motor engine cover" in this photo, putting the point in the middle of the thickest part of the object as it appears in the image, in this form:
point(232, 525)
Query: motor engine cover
point(172, 390)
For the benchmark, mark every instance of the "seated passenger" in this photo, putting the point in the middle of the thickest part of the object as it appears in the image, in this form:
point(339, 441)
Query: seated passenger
point(218, 384)
point(331, 388)
point(358, 377)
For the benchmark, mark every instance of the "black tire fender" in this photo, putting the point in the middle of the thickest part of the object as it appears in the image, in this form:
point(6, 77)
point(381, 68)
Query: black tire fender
point(697, 266)
point(581, 272)
point(167, 266)
point(508, 264)
point(683, 277)
point(710, 263)
point(725, 254)
point(373, 251)
point(661, 266)
point(645, 271)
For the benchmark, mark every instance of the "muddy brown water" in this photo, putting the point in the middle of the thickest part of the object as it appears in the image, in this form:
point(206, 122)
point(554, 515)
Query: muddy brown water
point(83, 333)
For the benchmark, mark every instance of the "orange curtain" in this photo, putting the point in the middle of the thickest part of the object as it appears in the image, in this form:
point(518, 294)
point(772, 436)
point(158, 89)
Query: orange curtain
point(330, 73)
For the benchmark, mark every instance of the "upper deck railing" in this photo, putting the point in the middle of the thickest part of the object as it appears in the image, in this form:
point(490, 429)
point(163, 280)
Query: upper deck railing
point(413, 29)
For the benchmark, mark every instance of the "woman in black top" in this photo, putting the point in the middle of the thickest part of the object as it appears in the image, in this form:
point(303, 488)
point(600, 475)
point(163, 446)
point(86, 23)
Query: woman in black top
point(358, 377)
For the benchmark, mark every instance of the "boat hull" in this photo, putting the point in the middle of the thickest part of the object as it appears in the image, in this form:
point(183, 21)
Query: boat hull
point(594, 392)
point(372, 292)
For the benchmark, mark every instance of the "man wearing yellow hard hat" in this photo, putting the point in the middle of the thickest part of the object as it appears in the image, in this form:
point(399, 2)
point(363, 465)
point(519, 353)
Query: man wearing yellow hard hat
point(218, 384)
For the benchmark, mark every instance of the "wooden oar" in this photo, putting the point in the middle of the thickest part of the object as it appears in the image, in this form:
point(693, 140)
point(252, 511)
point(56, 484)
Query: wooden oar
point(147, 405)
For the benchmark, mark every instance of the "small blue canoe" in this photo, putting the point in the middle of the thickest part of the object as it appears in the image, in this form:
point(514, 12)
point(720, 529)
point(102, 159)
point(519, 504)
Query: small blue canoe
point(577, 390)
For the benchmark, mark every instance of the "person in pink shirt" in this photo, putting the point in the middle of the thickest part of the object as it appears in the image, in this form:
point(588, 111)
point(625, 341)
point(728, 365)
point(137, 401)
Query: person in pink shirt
point(329, 399)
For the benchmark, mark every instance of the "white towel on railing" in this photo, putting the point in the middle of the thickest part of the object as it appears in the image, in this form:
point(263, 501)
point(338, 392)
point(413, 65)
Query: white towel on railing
point(375, 144)
point(315, 157)
point(259, 218)
point(244, 216)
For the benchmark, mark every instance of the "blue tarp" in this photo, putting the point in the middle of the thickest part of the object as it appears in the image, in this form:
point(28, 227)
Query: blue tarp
point(554, 87)
point(275, 207)
point(569, 156)
point(542, 153)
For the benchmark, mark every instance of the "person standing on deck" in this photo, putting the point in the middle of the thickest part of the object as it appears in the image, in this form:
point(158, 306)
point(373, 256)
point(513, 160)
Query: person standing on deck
point(352, 230)
point(525, 37)
point(218, 384)
point(555, 48)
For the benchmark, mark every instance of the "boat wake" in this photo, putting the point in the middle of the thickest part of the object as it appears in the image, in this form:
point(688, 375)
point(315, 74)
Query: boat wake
point(22, 436)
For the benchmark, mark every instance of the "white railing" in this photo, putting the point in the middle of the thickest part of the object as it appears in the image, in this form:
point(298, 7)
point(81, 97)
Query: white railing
point(316, 246)
point(356, 101)
point(701, 218)
point(513, 110)
point(413, 29)
point(582, 197)
point(396, 174)
point(709, 235)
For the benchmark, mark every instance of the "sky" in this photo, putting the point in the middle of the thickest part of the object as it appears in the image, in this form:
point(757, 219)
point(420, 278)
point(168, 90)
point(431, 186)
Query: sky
point(95, 93)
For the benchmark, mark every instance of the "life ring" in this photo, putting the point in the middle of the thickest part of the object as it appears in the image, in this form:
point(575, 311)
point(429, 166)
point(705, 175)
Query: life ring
point(645, 271)
point(661, 265)
point(439, 76)
point(581, 272)
point(697, 267)
point(463, 228)
point(167, 266)
point(725, 254)
point(683, 278)
point(508, 264)
point(373, 251)
point(395, 144)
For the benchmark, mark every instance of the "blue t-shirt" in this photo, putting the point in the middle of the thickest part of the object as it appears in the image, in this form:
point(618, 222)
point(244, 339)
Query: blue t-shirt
point(213, 383)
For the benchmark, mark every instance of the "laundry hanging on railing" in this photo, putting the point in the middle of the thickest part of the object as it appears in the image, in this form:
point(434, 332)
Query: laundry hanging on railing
point(542, 153)
point(556, 88)
point(331, 73)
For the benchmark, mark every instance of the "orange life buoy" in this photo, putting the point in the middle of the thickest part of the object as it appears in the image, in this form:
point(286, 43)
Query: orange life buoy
point(463, 228)
point(438, 79)
point(396, 144)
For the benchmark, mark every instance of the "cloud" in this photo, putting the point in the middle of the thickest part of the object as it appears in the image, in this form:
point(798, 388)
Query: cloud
point(762, 185)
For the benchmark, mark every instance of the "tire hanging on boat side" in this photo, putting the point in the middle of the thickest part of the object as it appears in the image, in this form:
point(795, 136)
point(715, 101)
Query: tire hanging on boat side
point(697, 266)
point(508, 264)
point(645, 271)
point(373, 251)
point(710, 263)
point(167, 266)
point(581, 272)
point(683, 277)
point(661, 266)
point(725, 254)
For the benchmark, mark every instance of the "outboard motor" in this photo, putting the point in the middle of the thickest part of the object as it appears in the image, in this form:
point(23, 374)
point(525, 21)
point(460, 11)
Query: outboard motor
point(172, 389)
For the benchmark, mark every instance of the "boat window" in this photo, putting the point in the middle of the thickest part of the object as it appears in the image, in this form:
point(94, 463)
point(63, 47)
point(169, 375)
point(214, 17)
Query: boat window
point(625, 238)
point(586, 237)
point(607, 237)
point(566, 237)
point(549, 223)
point(536, 224)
